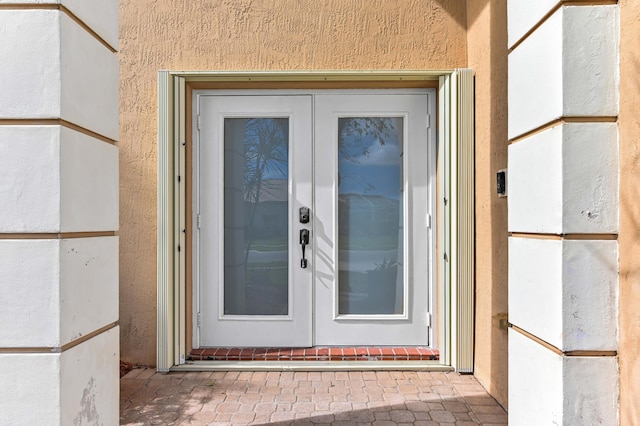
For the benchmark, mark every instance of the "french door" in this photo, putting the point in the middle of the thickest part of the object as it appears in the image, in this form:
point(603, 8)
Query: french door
point(312, 217)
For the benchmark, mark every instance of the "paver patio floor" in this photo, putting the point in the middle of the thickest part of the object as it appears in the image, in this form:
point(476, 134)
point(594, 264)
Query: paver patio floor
point(306, 398)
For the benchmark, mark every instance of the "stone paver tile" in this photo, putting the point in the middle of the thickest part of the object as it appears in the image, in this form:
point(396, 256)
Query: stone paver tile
point(493, 418)
point(282, 416)
point(393, 397)
point(339, 390)
point(358, 397)
point(204, 416)
point(480, 400)
point(314, 376)
point(370, 390)
point(265, 407)
point(369, 375)
point(250, 398)
point(270, 390)
point(362, 416)
point(426, 423)
point(429, 396)
point(242, 418)
point(303, 407)
point(407, 389)
point(287, 376)
point(261, 418)
point(379, 405)
point(223, 417)
point(387, 383)
point(487, 409)
point(228, 407)
point(190, 408)
point(384, 423)
point(442, 416)
point(443, 390)
point(286, 397)
point(322, 417)
point(461, 416)
point(455, 407)
point(382, 415)
point(146, 373)
point(232, 375)
point(305, 391)
point(415, 406)
point(360, 406)
point(402, 416)
point(421, 415)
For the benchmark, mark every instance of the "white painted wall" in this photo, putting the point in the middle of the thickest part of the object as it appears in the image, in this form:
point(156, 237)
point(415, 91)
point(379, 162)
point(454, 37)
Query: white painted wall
point(565, 291)
point(567, 67)
point(90, 82)
point(56, 180)
point(30, 179)
point(100, 15)
point(88, 285)
point(524, 14)
point(34, 90)
point(86, 93)
point(29, 391)
point(546, 388)
point(76, 387)
point(565, 180)
point(90, 374)
point(89, 183)
point(535, 183)
point(536, 387)
point(55, 291)
point(29, 294)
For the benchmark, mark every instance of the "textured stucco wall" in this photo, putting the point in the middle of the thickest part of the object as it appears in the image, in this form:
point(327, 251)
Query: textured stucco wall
point(629, 237)
point(487, 45)
point(245, 35)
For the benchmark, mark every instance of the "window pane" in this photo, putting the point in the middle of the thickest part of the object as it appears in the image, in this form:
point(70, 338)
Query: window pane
point(256, 254)
point(370, 235)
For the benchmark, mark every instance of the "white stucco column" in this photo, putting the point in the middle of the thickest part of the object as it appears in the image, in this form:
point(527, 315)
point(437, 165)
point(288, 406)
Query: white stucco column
point(563, 213)
point(59, 339)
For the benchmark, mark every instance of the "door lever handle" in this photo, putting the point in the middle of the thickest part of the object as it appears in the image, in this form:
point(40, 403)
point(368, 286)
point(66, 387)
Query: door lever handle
point(304, 240)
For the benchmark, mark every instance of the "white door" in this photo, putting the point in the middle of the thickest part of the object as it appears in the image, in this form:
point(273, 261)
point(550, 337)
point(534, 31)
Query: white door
point(372, 189)
point(363, 164)
point(253, 174)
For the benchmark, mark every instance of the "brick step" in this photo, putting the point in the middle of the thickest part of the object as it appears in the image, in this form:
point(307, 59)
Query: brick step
point(359, 353)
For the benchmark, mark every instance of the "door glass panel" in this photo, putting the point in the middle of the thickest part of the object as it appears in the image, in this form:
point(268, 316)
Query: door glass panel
point(370, 227)
point(256, 207)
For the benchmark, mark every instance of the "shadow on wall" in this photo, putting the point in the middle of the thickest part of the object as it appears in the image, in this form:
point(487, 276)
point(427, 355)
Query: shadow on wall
point(455, 8)
point(487, 55)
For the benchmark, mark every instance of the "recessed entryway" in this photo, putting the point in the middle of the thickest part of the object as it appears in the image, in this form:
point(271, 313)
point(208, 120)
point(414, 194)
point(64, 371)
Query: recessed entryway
point(313, 218)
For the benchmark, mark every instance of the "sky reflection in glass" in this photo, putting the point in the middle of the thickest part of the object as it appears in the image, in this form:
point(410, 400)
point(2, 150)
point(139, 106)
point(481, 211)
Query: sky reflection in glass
point(370, 215)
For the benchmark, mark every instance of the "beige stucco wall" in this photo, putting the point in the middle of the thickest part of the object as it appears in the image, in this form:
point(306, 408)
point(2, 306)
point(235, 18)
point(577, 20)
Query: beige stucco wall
point(487, 46)
point(629, 237)
point(245, 35)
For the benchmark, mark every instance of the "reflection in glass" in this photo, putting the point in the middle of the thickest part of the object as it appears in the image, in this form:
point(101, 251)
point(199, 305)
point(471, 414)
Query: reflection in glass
point(256, 216)
point(370, 237)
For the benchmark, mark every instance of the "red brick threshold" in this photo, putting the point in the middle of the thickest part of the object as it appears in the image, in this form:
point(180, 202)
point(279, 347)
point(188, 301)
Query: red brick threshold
point(316, 354)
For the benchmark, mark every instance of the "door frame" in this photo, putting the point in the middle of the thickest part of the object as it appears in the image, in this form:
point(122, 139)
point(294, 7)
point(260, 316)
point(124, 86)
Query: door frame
point(455, 211)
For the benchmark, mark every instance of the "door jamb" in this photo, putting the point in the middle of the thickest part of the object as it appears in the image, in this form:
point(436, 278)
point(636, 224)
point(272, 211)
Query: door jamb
point(455, 206)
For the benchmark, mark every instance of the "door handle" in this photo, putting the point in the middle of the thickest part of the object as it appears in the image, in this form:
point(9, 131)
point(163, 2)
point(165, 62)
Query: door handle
point(304, 240)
